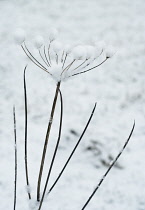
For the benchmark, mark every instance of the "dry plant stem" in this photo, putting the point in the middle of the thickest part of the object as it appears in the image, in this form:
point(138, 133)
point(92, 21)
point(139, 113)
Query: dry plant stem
point(112, 164)
point(81, 64)
point(43, 68)
point(64, 60)
point(33, 56)
point(46, 140)
point(72, 153)
point(94, 60)
point(46, 57)
point(55, 151)
point(43, 58)
point(49, 52)
point(56, 58)
point(62, 57)
point(26, 131)
point(15, 137)
point(91, 68)
point(68, 67)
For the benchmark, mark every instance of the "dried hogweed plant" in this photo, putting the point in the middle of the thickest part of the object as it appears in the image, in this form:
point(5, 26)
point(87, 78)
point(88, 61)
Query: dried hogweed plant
point(60, 62)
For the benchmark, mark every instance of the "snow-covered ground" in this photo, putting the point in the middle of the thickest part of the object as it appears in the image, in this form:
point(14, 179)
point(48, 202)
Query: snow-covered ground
point(118, 87)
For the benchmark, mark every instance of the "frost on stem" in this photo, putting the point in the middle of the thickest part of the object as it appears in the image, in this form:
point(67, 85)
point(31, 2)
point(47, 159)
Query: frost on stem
point(64, 61)
point(38, 41)
point(67, 48)
point(90, 52)
point(53, 33)
point(100, 45)
point(19, 36)
point(110, 52)
point(79, 53)
point(57, 69)
point(28, 189)
point(57, 46)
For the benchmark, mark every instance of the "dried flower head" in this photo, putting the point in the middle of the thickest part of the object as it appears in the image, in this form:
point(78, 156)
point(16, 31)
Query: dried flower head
point(64, 61)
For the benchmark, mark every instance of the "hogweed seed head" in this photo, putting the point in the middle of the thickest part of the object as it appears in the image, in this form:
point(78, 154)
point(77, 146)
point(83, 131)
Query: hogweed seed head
point(64, 61)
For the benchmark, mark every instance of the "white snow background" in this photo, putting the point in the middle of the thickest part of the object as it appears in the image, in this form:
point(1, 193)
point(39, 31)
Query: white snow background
point(118, 87)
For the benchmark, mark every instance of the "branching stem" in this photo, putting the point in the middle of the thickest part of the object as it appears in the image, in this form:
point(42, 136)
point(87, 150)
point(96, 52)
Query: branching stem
point(91, 68)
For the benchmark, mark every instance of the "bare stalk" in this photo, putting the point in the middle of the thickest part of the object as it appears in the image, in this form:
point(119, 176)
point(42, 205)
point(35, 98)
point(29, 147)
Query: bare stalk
point(26, 131)
point(40, 66)
point(43, 58)
point(33, 56)
point(90, 68)
point(68, 67)
point(49, 52)
point(46, 57)
point(64, 60)
point(56, 58)
point(72, 153)
point(46, 141)
point(15, 136)
point(62, 56)
point(81, 64)
point(55, 151)
point(112, 164)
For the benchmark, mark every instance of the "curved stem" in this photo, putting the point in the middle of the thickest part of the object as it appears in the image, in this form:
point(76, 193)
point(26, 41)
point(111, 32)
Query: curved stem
point(112, 164)
point(90, 68)
point(69, 158)
point(46, 57)
point(44, 69)
point(81, 64)
point(26, 129)
point(33, 56)
point(43, 58)
point(54, 154)
point(68, 67)
point(49, 53)
point(46, 141)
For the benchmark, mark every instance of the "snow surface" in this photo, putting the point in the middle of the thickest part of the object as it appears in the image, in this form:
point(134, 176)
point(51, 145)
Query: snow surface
point(118, 86)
